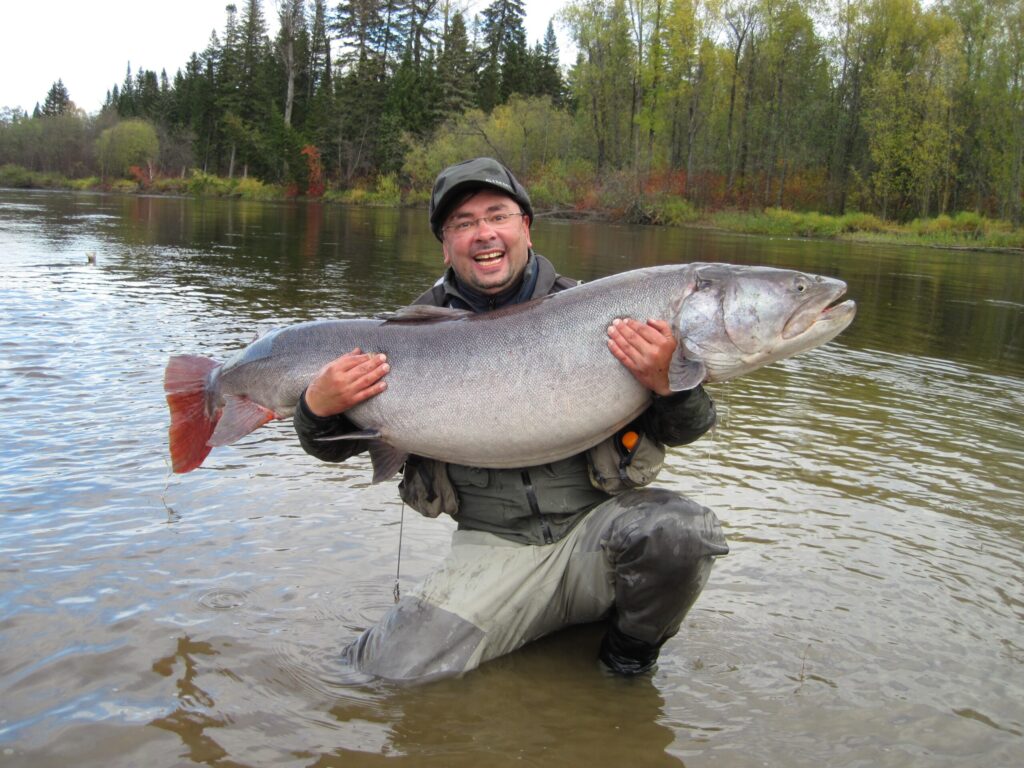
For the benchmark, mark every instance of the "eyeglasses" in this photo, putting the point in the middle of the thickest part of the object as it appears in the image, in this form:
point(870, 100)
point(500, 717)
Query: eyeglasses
point(495, 220)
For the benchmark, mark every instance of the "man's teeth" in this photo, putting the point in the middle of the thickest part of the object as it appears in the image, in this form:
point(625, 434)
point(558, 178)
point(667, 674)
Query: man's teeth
point(488, 256)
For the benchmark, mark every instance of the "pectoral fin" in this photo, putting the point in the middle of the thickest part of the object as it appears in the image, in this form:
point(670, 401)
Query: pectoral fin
point(386, 460)
point(685, 374)
point(362, 434)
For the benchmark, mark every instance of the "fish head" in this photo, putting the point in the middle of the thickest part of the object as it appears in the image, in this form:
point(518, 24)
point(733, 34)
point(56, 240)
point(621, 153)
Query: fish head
point(737, 319)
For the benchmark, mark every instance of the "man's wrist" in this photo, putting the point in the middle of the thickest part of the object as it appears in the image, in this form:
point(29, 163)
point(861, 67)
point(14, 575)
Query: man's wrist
point(312, 415)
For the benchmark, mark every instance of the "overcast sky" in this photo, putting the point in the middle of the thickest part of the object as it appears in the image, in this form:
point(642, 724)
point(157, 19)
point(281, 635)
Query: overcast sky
point(89, 45)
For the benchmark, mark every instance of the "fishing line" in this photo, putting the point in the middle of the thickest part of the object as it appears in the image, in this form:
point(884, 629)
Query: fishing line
point(721, 399)
point(397, 592)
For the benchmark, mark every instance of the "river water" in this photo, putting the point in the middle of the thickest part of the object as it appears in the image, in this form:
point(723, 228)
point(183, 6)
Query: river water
point(869, 614)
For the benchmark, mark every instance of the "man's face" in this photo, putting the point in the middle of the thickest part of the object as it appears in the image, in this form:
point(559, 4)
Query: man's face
point(487, 258)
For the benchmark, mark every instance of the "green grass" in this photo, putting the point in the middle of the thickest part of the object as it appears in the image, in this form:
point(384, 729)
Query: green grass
point(964, 230)
point(17, 177)
point(385, 193)
point(254, 189)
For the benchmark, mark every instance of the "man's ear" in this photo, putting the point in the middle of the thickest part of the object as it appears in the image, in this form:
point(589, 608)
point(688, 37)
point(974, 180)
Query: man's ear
point(529, 242)
point(447, 258)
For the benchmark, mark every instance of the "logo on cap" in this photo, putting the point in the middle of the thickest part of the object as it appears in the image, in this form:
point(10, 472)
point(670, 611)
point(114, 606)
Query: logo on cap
point(499, 183)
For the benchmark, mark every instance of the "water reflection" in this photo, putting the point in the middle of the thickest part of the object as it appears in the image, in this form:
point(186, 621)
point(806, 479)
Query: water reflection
point(869, 613)
point(547, 705)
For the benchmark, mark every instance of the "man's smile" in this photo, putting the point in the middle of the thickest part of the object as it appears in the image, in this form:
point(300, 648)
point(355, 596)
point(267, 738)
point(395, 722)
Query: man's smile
point(490, 256)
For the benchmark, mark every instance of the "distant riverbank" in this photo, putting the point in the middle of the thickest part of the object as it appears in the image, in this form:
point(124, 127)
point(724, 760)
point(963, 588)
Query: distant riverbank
point(964, 231)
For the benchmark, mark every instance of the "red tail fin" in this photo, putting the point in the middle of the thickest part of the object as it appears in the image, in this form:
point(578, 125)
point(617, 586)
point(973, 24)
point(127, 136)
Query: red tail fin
point(185, 382)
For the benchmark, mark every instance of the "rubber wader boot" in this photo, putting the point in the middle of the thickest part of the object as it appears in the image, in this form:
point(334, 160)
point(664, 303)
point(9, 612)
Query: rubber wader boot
point(625, 655)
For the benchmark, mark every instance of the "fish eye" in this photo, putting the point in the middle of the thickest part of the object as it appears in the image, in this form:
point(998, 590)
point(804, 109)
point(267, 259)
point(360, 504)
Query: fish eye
point(702, 284)
point(801, 285)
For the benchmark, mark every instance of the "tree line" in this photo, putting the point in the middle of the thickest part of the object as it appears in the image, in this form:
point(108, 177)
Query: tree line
point(898, 107)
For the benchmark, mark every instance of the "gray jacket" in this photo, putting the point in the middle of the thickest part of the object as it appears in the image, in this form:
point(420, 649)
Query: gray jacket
point(532, 505)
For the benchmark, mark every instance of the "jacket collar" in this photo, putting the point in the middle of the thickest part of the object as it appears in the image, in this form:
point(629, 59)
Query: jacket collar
point(538, 279)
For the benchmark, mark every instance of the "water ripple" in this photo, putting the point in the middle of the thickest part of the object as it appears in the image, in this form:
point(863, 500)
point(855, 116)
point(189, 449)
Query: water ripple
point(869, 489)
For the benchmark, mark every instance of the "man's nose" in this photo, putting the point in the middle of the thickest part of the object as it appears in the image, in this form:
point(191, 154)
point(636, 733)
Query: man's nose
point(484, 230)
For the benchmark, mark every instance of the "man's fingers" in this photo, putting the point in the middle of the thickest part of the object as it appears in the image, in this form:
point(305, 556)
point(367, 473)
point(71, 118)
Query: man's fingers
point(636, 340)
point(654, 332)
point(365, 393)
point(620, 354)
point(354, 359)
point(659, 326)
point(645, 349)
point(347, 381)
point(371, 374)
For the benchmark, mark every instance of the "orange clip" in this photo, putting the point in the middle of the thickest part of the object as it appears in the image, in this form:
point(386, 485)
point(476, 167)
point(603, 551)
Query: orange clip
point(629, 440)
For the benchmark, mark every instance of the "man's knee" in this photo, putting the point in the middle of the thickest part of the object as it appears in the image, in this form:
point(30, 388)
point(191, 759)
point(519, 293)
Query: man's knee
point(416, 642)
point(665, 527)
point(661, 547)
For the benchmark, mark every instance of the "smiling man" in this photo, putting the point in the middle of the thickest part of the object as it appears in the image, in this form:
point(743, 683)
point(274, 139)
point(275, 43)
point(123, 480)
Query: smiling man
point(537, 548)
point(488, 242)
point(482, 217)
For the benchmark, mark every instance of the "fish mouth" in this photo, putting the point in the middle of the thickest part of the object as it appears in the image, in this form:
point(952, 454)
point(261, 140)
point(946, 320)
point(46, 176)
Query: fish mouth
point(822, 313)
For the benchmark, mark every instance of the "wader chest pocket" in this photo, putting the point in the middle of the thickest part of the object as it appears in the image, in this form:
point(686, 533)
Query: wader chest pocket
point(628, 459)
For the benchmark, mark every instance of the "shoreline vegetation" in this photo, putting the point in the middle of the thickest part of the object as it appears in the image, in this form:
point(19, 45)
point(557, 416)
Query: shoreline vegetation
point(963, 231)
point(895, 121)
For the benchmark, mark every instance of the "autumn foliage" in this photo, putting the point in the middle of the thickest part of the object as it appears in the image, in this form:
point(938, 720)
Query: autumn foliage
point(314, 171)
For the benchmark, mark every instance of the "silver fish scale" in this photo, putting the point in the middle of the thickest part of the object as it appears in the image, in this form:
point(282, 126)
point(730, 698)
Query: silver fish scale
point(525, 386)
point(536, 382)
point(516, 387)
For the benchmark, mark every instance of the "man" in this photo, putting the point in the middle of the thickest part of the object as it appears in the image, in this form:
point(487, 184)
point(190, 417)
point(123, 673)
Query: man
point(537, 548)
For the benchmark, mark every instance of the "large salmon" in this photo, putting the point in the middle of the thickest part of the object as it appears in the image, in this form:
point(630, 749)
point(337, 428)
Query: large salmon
point(520, 386)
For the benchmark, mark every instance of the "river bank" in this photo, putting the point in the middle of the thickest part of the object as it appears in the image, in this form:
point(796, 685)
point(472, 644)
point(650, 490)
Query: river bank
point(965, 230)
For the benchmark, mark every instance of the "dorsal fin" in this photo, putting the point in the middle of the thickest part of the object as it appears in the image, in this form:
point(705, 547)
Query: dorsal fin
point(423, 313)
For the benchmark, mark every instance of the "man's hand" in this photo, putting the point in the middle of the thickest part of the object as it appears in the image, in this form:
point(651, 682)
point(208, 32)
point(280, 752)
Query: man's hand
point(345, 382)
point(646, 349)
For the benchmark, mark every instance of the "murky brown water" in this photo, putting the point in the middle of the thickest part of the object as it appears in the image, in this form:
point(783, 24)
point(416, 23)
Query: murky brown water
point(870, 613)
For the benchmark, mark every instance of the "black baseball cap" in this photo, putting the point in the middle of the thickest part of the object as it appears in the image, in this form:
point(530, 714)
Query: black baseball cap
point(464, 177)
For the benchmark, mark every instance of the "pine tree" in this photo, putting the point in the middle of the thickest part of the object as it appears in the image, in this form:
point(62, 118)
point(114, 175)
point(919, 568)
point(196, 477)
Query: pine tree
point(502, 70)
point(147, 95)
point(126, 104)
point(57, 101)
point(255, 48)
point(421, 15)
point(548, 75)
point(318, 65)
point(516, 70)
point(319, 125)
point(455, 69)
point(202, 101)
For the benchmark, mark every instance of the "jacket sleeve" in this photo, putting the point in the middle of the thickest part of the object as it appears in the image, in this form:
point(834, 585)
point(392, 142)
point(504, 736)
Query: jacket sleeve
point(679, 418)
point(309, 427)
